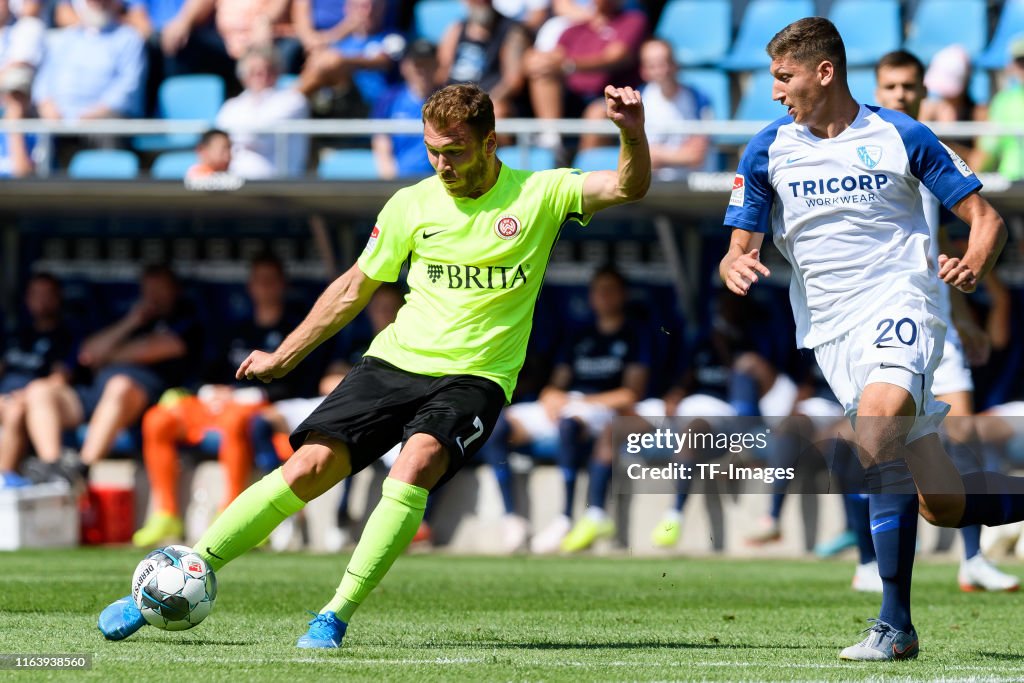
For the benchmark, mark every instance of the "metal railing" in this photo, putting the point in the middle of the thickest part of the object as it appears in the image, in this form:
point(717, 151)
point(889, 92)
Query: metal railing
point(526, 131)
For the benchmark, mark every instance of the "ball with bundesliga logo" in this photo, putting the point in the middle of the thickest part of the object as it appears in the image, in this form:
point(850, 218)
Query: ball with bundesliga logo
point(174, 588)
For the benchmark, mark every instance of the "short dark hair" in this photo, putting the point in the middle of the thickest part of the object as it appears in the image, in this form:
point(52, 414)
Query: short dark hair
point(209, 135)
point(811, 40)
point(48, 278)
point(160, 270)
point(610, 271)
point(463, 103)
point(267, 258)
point(897, 59)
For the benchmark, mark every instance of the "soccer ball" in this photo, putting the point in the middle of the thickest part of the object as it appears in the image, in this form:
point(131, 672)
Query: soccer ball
point(174, 588)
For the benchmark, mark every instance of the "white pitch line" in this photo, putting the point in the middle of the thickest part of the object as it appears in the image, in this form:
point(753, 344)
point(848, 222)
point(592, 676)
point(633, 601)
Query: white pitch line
point(447, 661)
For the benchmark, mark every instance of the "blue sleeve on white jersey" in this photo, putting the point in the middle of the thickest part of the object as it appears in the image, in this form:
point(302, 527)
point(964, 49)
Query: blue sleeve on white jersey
point(938, 167)
point(750, 206)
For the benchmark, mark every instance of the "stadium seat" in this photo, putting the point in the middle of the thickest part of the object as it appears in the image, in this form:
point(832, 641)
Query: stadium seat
point(431, 18)
point(103, 164)
point(348, 164)
point(285, 81)
point(862, 85)
point(698, 30)
point(757, 104)
point(184, 98)
point(939, 23)
point(762, 20)
point(172, 165)
point(713, 84)
point(1011, 25)
point(980, 87)
point(529, 158)
point(597, 159)
point(870, 28)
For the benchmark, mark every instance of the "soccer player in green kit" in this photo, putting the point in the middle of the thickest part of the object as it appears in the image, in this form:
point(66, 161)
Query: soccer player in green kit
point(477, 237)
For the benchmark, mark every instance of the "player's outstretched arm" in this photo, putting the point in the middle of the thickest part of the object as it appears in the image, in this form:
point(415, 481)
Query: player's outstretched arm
point(741, 265)
point(336, 307)
point(630, 181)
point(988, 235)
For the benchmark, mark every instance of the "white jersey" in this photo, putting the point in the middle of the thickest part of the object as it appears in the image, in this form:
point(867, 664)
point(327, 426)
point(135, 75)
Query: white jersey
point(847, 213)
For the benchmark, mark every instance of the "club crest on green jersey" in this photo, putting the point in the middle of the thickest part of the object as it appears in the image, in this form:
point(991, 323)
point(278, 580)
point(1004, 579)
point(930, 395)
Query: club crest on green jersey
point(507, 227)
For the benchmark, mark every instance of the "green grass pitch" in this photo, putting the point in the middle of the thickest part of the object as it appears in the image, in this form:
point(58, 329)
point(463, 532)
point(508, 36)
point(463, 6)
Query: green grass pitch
point(441, 617)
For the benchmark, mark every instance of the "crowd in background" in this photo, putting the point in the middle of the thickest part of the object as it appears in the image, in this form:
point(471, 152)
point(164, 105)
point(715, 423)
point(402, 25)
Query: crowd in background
point(80, 60)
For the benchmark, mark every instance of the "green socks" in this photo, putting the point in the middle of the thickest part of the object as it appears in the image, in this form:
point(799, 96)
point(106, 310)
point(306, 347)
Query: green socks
point(248, 520)
point(388, 531)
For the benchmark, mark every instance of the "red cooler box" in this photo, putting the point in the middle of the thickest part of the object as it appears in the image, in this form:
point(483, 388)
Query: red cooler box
point(107, 514)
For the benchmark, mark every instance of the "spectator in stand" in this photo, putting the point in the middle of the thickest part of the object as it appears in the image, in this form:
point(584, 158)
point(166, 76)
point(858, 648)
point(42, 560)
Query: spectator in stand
point(95, 70)
point(530, 13)
point(16, 149)
point(349, 76)
point(487, 49)
point(564, 13)
point(223, 406)
point(180, 39)
point(246, 24)
point(318, 23)
point(22, 36)
point(134, 360)
point(43, 346)
point(403, 156)
point(948, 81)
point(214, 154)
point(666, 99)
point(1005, 153)
point(569, 81)
point(254, 155)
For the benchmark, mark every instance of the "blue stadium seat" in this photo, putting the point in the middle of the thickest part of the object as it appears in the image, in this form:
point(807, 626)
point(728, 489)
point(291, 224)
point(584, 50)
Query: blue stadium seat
point(529, 158)
point(870, 28)
point(756, 103)
point(173, 165)
point(980, 87)
point(597, 159)
point(103, 164)
point(184, 98)
point(862, 85)
point(348, 164)
point(431, 18)
point(285, 81)
point(762, 20)
point(939, 23)
point(713, 84)
point(1011, 25)
point(698, 30)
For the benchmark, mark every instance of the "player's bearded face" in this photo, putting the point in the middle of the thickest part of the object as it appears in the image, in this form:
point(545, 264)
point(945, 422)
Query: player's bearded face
point(461, 160)
point(797, 87)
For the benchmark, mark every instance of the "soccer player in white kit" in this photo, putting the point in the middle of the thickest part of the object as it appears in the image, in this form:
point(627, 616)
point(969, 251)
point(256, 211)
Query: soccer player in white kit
point(838, 184)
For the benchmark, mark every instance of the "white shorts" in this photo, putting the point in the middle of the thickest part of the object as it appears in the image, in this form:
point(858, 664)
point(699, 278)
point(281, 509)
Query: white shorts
point(900, 346)
point(1011, 409)
point(953, 374)
point(294, 410)
point(532, 417)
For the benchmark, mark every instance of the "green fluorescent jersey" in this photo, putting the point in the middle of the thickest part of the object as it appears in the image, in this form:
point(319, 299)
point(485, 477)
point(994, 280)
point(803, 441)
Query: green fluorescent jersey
point(475, 269)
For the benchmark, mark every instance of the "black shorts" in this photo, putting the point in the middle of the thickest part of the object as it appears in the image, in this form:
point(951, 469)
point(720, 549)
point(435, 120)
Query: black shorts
point(378, 405)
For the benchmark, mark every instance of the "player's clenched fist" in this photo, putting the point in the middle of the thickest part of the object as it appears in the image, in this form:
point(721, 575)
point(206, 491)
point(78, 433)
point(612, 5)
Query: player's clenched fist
point(743, 272)
point(262, 366)
point(957, 273)
point(625, 108)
